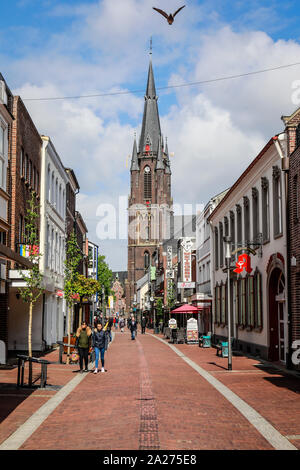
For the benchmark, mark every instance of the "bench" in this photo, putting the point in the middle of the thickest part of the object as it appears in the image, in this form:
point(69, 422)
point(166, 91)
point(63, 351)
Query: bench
point(205, 341)
point(21, 368)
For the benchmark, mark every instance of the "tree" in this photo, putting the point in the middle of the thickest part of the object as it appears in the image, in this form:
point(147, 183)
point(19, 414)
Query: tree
point(85, 287)
point(159, 309)
point(170, 294)
point(73, 258)
point(32, 277)
point(105, 278)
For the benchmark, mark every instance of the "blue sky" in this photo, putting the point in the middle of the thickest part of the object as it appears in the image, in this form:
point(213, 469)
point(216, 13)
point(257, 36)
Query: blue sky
point(63, 48)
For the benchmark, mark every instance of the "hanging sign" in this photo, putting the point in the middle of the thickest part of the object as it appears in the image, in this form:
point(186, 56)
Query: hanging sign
point(172, 323)
point(187, 260)
point(244, 262)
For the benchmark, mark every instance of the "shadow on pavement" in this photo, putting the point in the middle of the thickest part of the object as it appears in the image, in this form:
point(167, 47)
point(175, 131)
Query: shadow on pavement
point(290, 383)
point(11, 398)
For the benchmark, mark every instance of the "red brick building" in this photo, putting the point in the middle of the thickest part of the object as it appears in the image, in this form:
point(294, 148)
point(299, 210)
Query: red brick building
point(292, 124)
point(25, 171)
point(150, 187)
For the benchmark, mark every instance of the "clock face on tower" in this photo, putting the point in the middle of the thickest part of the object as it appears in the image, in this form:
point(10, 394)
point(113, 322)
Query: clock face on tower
point(147, 169)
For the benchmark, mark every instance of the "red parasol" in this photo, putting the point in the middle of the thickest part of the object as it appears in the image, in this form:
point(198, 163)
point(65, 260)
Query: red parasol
point(186, 308)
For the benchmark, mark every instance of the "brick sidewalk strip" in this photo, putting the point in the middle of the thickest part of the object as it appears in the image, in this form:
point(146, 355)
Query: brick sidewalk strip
point(277, 440)
point(148, 435)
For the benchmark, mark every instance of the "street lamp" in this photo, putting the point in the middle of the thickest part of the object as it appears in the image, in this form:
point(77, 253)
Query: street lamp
point(227, 241)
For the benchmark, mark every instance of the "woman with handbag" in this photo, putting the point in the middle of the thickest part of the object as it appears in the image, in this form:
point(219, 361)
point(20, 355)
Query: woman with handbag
point(83, 340)
point(99, 337)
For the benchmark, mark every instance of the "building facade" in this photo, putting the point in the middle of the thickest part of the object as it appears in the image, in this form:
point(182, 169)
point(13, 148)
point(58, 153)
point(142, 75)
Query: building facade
point(53, 241)
point(6, 119)
point(203, 297)
point(25, 171)
point(252, 214)
point(150, 193)
point(292, 152)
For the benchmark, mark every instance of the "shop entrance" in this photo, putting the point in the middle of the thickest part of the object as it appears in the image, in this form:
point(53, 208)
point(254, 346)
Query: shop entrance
point(277, 307)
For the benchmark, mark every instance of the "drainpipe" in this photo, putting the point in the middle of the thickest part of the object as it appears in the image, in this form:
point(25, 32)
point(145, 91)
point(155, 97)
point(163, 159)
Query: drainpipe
point(285, 165)
point(212, 277)
point(43, 324)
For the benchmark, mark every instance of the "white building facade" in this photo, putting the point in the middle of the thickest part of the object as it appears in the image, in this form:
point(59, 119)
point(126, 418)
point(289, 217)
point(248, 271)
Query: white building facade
point(253, 214)
point(203, 296)
point(53, 241)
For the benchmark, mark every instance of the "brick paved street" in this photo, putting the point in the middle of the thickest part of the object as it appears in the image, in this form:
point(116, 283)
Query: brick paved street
point(150, 398)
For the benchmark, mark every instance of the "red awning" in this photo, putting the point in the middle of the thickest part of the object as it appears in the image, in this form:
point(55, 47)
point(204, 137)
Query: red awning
point(186, 308)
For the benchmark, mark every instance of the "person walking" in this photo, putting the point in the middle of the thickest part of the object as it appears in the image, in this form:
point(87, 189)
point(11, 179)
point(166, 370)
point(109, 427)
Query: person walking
point(98, 343)
point(133, 327)
point(143, 325)
point(122, 324)
point(82, 344)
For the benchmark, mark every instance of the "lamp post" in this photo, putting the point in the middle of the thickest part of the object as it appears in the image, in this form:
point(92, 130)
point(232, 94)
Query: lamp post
point(227, 241)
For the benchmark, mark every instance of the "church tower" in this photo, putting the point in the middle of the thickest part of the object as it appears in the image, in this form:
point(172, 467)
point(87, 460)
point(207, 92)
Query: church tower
point(149, 203)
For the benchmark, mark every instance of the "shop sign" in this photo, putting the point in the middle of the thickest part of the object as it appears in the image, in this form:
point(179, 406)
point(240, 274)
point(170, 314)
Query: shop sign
point(186, 285)
point(169, 257)
point(172, 323)
point(187, 260)
point(243, 262)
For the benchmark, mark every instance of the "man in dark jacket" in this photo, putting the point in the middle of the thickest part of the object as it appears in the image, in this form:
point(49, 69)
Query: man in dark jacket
point(98, 343)
point(143, 325)
point(133, 327)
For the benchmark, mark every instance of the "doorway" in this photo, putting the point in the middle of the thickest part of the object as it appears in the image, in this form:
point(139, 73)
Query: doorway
point(277, 315)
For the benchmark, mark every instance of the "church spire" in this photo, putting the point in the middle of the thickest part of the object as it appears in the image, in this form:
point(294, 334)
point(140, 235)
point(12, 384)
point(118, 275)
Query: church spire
point(150, 133)
point(160, 164)
point(134, 159)
point(168, 169)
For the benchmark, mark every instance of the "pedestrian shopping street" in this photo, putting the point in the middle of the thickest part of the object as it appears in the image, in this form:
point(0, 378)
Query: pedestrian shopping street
point(154, 395)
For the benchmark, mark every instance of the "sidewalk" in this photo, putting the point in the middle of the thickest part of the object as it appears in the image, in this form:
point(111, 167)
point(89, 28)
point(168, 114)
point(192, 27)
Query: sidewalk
point(17, 405)
point(150, 398)
point(271, 391)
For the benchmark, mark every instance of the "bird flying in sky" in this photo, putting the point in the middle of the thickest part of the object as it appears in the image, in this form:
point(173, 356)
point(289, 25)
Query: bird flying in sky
point(170, 17)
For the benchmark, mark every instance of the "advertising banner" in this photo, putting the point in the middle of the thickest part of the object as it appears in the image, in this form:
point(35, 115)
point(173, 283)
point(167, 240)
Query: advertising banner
point(187, 259)
point(192, 331)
